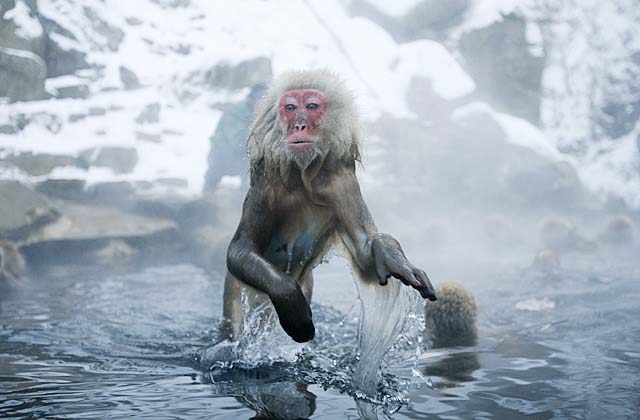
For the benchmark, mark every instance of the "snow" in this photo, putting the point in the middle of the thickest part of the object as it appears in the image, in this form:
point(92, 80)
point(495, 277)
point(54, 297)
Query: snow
point(431, 60)
point(26, 25)
point(396, 8)
point(165, 47)
point(483, 13)
point(589, 63)
point(212, 32)
point(533, 35)
point(518, 130)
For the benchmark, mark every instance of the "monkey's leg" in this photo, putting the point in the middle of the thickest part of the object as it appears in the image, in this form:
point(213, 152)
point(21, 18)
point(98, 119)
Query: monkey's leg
point(232, 307)
point(306, 284)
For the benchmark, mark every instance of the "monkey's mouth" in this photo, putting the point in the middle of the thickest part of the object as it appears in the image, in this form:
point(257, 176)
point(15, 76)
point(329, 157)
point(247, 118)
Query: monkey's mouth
point(300, 143)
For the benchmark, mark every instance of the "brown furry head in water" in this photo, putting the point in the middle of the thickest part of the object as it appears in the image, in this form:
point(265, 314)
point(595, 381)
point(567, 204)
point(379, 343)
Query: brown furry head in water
point(451, 320)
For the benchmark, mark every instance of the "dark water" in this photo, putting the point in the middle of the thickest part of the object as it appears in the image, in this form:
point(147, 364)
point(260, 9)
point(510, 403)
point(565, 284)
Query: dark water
point(91, 344)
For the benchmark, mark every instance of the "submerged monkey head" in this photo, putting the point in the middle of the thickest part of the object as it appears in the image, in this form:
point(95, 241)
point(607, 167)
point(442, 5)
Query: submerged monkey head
point(304, 117)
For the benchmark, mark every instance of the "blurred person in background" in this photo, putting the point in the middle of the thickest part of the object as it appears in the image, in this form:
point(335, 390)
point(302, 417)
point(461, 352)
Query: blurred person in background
point(228, 152)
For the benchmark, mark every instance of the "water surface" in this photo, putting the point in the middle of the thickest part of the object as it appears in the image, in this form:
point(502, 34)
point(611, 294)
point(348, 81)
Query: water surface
point(89, 343)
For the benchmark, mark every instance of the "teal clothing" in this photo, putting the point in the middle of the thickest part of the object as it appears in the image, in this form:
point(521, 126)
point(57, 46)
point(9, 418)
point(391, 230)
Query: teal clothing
point(228, 152)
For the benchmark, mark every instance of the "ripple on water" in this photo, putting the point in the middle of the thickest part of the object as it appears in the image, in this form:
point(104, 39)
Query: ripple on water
point(94, 345)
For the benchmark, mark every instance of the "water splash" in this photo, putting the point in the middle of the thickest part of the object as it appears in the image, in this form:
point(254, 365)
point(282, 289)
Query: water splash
point(385, 312)
point(384, 323)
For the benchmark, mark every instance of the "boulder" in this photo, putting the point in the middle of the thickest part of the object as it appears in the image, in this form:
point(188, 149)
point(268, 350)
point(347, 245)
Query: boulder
point(561, 236)
point(150, 114)
point(426, 19)
point(430, 18)
point(97, 234)
point(87, 222)
point(128, 78)
point(73, 91)
point(61, 50)
point(619, 231)
point(63, 60)
point(111, 36)
point(121, 160)
point(23, 211)
point(244, 74)
point(6, 5)
point(20, 29)
point(39, 164)
point(22, 75)
point(498, 58)
point(68, 189)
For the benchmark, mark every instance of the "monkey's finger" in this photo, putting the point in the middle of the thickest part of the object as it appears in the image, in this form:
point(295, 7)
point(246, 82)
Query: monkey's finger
point(382, 273)
point(407, 277)
point(430, 292)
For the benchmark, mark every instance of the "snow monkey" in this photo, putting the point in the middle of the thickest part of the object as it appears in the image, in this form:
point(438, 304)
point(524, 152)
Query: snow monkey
point(451, 321)
point(303, 199)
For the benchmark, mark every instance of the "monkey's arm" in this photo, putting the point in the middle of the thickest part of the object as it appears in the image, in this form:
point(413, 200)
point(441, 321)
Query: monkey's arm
point(374, 252)
point(246, 263)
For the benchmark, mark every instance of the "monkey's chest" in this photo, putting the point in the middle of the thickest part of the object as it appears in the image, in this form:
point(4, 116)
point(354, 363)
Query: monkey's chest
point(296, 245)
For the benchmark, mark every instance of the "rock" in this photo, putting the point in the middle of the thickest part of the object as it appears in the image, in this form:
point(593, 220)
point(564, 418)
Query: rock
point(77, 117)
point(20, 29)
point(427, 19)
point(23, 211)
point(39, 164)
point(22, 75)
point(112, 37)
point(543, 183)
point(133, 21)
point(546, 261)
point(244, 74)
point(121, 160)
point(61, 60)
point(451, 320)
point(430, 18)
point(172, 3)
point(117, 193)
point(150, 114)
point(499, 60)
point(89, 234)
point(87, 222)
point(12, 264)
point(150, 137)
point(128, 78)
point(8, 129)
point(6, 5)
point(173, 182)
point(619, 231)
point(114, 250)
point(97, 111)
point(618, 112)
point(77, 91)
point(68, 189)
point(561, 236)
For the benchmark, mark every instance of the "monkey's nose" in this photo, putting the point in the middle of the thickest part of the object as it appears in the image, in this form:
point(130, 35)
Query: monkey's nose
point(300, 127)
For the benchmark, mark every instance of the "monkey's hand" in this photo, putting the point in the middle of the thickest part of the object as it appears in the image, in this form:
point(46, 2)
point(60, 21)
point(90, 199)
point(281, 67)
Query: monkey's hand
point(391, 261)
point(293, 311)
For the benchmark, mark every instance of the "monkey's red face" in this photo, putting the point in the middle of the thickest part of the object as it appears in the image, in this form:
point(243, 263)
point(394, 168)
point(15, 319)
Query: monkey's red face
point(301, 111)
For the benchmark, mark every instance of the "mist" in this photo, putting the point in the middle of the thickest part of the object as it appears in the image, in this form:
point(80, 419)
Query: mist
point(502, 149)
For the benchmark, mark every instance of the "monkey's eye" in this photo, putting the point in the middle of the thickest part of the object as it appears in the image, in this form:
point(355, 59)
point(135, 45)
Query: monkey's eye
point(289, 107)
point(312, 106)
